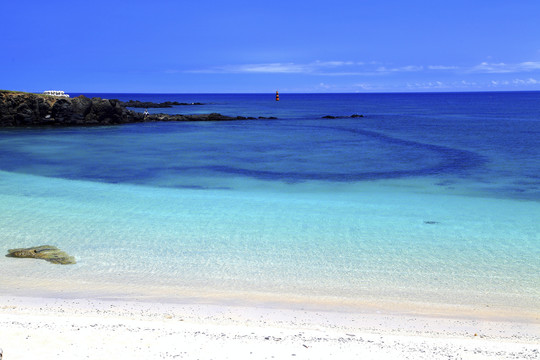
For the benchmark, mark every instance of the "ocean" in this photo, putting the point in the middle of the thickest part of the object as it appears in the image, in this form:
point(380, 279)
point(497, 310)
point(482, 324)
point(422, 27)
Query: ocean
point(428, 203)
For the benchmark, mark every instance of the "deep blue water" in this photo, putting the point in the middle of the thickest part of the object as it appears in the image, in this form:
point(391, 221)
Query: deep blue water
point(483, 143)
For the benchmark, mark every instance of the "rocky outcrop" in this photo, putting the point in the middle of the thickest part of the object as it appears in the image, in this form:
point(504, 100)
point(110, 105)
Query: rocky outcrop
point(23, 109)
point(26, 110)
point(342, 117)
point(46, 252)
point(201, 117)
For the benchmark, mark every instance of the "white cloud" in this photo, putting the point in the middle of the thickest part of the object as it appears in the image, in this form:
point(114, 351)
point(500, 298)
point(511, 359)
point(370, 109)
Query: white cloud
point(499, 82)
point(283, 68)
point(363, 86)
point(348, 73)
point(269, 68)
point(529, 81)
point(500, 68)
point(530, 65)
point(257, 68)
point(427, 85)
point(328, 68)
point(332, 63)
point(325, 86)
point(408, 68)
point(493, 68)
point(356, 69)
point(442, 67)
point(515, 82)
point(466, 83)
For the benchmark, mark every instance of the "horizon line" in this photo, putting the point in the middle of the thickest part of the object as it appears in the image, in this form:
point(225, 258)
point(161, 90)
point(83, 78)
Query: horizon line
point(304, 93)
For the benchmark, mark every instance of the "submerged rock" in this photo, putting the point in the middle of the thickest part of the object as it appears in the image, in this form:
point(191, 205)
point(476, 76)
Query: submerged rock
point(342, 117)
point(46, 252)
point(149, 104)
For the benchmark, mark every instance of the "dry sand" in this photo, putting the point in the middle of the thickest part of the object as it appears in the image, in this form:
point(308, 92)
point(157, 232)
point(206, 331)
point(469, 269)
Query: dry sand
point(48, 328)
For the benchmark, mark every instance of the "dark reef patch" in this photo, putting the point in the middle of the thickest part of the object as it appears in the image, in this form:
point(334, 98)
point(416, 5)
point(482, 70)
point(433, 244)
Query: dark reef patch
point(149, 104)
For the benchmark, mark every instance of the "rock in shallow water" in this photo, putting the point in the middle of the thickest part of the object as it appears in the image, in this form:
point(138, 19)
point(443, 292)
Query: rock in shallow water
point(46, 252)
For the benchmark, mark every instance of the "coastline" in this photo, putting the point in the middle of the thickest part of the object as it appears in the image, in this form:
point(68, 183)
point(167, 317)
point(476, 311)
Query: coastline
point(26, 110)
point(77, 328)
point(48, 310)
point(68, 289)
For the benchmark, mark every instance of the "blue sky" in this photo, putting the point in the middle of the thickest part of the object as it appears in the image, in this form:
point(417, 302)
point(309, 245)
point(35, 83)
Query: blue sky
point(260, 46)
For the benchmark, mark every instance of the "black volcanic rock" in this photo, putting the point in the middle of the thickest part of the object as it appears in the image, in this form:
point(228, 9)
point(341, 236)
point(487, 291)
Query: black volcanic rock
point(27, 110)
point(342, 117)
point(148, 104)
point(81, 105)
point(23, 109)
point(62, 111)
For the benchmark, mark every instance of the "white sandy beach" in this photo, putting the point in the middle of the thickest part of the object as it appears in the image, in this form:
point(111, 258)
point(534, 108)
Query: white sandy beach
point(48, 328)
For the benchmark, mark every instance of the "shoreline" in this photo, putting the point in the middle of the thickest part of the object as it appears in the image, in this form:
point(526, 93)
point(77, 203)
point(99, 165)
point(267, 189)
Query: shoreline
point(403, 291)
point(32, 327)
point(27, 110)
point(31, 277)
point(65, 289)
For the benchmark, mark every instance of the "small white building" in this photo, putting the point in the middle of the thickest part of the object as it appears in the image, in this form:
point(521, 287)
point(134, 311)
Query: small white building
point(56, 93)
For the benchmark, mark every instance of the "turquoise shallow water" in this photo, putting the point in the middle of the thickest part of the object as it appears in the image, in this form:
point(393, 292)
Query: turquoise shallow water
point(302, 208)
